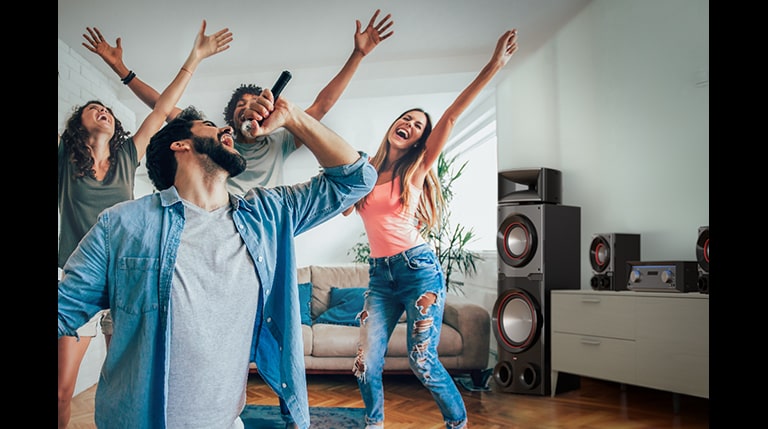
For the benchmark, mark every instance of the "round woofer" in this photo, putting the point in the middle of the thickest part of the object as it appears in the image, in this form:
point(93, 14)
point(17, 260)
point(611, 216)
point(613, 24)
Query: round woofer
point(702, 249)
point(516, 321)
point(599, 254)
point(516, 240)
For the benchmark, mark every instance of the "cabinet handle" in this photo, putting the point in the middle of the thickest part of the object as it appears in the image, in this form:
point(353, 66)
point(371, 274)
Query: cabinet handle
point(591, 300)
point(590, 342)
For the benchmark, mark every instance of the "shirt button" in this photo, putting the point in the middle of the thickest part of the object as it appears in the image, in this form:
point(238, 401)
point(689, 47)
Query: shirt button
point(284, 385)
point(261, 259)
point(269, 320)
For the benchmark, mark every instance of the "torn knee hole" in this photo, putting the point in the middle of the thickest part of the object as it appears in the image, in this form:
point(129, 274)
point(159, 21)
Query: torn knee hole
point(422, 325)
point(421, 347)
point(425, 301)
point(359, 364)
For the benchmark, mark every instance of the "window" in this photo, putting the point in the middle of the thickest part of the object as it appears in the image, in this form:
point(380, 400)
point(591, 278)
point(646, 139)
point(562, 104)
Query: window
point(476, 197)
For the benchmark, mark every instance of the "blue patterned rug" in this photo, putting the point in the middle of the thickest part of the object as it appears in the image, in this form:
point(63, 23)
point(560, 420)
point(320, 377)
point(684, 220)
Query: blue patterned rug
point(268, 417)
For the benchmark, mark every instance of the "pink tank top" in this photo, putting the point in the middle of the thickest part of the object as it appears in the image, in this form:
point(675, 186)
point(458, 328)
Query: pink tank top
point(390, 230)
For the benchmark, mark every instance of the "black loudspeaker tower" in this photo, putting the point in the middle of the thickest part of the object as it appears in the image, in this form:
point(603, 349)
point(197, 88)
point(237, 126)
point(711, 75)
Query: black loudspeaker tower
point(538, 247)
point(702, 258)
point(608, 256)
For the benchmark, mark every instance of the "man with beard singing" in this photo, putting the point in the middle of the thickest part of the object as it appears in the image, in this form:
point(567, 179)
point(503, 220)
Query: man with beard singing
point(202, 281)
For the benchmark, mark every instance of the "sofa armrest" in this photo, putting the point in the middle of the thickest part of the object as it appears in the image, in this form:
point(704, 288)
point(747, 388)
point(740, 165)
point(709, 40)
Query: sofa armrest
point(474, 324)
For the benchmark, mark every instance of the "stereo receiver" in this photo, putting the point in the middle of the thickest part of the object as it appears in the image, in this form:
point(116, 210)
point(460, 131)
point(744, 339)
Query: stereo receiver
point(664, 276)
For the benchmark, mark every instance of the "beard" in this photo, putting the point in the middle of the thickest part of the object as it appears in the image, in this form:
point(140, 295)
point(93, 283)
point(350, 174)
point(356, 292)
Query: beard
point(233, 163)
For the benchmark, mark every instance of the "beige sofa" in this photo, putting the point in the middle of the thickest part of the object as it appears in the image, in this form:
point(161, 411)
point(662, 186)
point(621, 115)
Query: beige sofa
point(329, 348)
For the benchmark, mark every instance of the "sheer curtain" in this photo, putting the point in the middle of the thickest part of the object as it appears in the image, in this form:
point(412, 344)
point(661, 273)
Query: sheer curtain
point(474, 141)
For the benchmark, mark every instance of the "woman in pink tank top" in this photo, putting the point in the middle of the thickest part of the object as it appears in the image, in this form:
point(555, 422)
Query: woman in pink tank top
point(405, 274)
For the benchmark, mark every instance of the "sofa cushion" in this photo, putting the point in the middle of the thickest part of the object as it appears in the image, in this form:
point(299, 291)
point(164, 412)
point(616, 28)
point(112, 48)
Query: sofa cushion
point(325, 277)
point(307, 336)
point(334, 340)
point(344, 306)
point(303, 275)
point(305, 303)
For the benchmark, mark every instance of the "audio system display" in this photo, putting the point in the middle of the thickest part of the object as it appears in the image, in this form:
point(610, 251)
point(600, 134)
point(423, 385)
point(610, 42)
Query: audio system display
point(664, 276)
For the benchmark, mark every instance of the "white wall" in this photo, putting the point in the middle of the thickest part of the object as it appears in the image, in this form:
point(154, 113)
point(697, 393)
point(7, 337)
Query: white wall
point(619, 101)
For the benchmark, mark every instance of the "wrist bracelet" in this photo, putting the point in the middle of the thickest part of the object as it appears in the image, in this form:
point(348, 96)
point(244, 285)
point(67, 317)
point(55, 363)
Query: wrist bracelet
point(126, 80)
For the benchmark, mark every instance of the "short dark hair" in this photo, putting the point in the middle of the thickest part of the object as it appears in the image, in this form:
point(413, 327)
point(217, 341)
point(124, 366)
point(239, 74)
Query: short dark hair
point(237, 94)
point(161, 161)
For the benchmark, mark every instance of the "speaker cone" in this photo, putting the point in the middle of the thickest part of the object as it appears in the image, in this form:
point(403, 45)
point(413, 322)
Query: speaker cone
point(516, 240)
point(702, 249)
point(516, 320)
point(599, 254)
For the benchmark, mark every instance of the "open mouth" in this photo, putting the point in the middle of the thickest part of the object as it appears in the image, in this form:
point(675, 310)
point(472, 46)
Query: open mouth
point(402, 133)
point(226, 139)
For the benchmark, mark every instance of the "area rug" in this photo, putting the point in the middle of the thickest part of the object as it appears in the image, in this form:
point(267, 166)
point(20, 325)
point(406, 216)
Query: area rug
point(268, 417)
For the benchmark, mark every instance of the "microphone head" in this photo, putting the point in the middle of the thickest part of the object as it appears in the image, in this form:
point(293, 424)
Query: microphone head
point(246, 129)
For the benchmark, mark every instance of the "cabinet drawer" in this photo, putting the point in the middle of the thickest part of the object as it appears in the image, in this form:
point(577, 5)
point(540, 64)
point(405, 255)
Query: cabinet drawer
point(673, 344)
point(598, 357)
point(594, 314)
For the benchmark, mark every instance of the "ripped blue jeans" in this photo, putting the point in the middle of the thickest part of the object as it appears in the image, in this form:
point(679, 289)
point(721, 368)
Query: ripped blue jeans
point(411, 281)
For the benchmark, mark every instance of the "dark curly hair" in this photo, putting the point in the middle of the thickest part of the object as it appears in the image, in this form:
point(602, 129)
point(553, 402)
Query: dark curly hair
point(237, 94)
point(161, 161)
point(75, 137)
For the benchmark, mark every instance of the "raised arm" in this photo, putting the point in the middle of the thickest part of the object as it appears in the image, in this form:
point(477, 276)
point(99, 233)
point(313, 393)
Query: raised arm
point(328, 147)
point(113, 56)
point(365, 42)
point(506, 46)
point(204, 47)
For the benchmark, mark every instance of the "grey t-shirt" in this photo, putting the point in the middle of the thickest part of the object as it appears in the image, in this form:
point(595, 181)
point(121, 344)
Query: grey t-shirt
point(214, 298)
point(265, 160)
point(81, 200)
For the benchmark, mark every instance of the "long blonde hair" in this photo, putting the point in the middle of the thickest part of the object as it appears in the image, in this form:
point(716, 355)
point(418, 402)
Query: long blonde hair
point(431, 203)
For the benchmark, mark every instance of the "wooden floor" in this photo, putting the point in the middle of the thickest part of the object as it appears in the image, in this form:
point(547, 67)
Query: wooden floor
point(596, 404)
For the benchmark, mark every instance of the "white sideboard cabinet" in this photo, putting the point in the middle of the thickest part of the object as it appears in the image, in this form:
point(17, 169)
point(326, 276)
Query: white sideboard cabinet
point(658, 340)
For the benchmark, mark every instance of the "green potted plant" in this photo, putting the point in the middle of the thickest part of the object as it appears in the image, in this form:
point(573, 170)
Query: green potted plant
point(449, 241)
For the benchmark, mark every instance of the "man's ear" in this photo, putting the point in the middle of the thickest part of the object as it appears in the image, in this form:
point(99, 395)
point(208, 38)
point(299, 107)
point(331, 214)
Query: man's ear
point(180, 145)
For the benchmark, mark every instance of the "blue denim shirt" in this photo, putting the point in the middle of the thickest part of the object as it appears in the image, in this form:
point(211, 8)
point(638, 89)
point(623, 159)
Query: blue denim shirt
point(126, 263)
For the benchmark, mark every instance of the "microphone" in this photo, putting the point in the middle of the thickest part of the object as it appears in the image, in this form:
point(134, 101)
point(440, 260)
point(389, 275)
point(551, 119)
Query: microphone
point(277, 88)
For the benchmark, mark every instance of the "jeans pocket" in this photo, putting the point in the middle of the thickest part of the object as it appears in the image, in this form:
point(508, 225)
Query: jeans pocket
point(422, 260)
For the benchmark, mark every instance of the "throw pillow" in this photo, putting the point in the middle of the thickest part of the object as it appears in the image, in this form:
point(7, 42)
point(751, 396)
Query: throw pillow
point(305, 303)
point(345, 305)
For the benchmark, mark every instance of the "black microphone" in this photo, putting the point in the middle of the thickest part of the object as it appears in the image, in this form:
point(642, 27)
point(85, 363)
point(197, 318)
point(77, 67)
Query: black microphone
point(285, 76)
point(277, 88)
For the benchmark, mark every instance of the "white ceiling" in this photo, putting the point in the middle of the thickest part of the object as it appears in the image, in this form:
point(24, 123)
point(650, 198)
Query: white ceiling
point(438, 45)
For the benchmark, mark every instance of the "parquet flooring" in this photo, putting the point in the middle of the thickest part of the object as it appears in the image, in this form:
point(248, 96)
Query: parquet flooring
point(596, 404)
